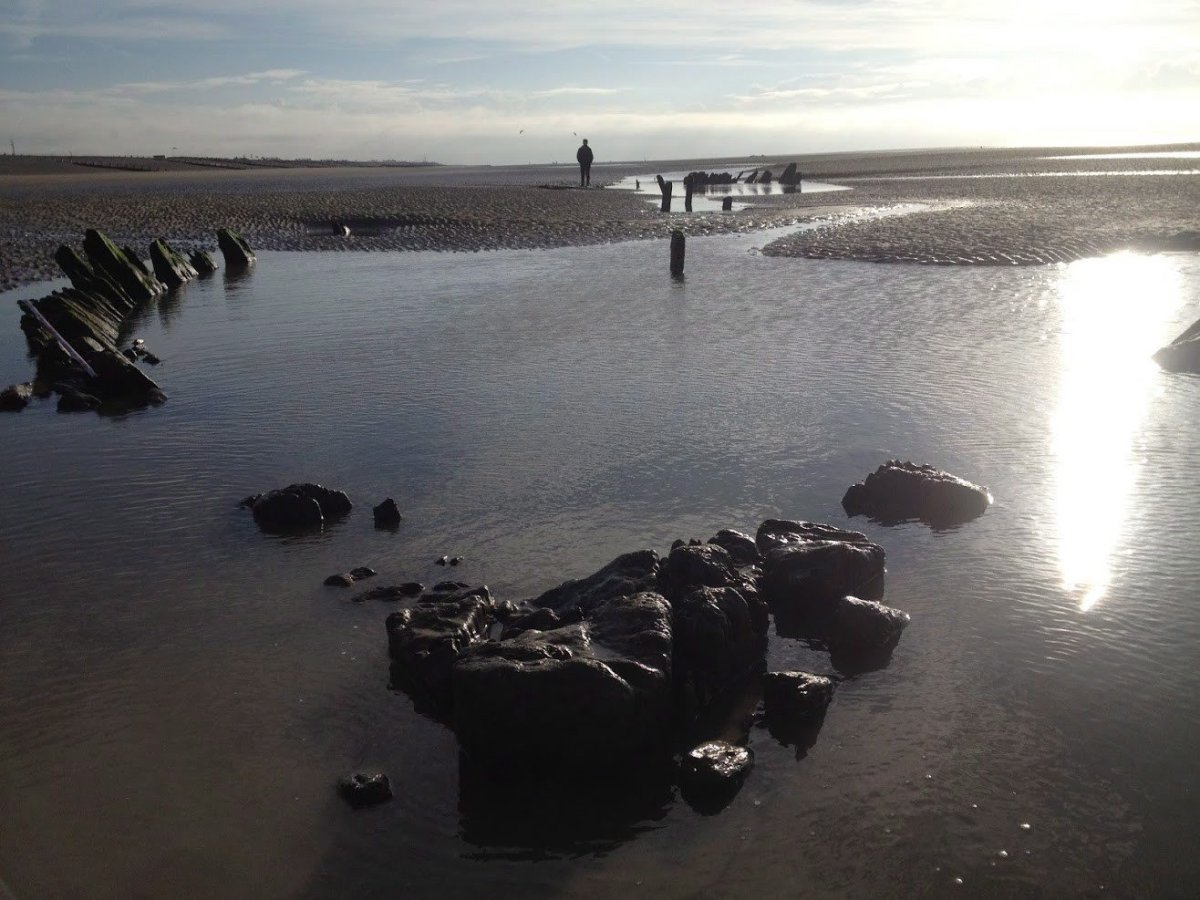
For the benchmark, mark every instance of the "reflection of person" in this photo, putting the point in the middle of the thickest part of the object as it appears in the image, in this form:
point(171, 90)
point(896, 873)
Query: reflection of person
point(584, 155)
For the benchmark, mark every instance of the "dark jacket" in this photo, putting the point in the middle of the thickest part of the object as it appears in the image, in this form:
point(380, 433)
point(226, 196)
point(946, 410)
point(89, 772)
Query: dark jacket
point(584, 155)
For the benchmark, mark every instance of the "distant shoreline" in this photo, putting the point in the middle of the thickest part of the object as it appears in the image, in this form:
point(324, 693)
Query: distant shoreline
point(961, 220)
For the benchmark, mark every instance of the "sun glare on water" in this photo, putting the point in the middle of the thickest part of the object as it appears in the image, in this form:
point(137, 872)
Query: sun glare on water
point(1114, 311)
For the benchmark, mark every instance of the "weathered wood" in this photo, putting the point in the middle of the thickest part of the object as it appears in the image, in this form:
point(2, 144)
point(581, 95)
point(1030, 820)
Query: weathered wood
point(727, 204)
point(689, 185)
point(678, 246)
point(666, 188)
point(171, 268)
point(235, 250)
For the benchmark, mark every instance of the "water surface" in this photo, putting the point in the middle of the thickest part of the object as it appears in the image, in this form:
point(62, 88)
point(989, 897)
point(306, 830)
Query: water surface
point(180, 692)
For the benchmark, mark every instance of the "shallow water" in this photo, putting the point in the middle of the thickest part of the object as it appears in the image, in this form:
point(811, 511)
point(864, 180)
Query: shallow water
point(180, 692)
point(709, 198)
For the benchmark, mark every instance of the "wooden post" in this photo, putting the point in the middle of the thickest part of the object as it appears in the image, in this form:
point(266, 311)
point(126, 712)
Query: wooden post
point(665, 187)
point(688, 186)
point(727, 204)
point(677, 250)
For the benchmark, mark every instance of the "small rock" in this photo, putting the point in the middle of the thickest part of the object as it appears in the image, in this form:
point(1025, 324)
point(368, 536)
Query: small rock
point(345, 579)
point(791, 694)
point(16, 397)
point(442, 560)
point(410, 588)
point(454, 561)
point(450, 586)
point(362, 572)
point(72, 400)
point(362, 789)
point(712, 773)
point(387, 514)
point(150, 358)
point(865, 626)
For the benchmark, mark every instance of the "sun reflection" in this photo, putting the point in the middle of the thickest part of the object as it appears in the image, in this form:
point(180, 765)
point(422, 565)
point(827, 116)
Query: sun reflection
point(1114, 311)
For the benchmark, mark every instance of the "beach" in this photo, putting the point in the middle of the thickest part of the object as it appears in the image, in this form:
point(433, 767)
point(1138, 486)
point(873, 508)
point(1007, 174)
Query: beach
point(182, 690)
point(966, 207)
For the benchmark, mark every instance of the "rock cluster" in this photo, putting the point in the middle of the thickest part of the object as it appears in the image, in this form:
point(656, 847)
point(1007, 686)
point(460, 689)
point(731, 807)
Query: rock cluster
point(611, 673)
point(297, 507)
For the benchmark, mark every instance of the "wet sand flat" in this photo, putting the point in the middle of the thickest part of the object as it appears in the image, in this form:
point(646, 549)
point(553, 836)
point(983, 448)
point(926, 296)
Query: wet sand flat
point(960, 207)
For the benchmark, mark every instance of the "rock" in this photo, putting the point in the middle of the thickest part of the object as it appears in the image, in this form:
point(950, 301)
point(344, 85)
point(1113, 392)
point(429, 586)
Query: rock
point(899, 491)
point(427, 638)
point(73, 400)
point(788, 695)
point(450, 586)
point(774, 533)
point(455, 560)
point(202, 262)
point(345, 579)
point(717, 638)
point(390, 593)
point(740, 547)
point(170, 267)
point(710, 774)
point(130, 274)
point(805, 578)
point(387, 514)
point(630, 573)
point(538, 620)
point(1183, 353)
point(587, 699)
point(150, 358)
point(442, 561)
point(697, 565)
point(16, 397)
point(236, 251)
point(362, 789)
point(299, 507)
point(360, 572)
point(864, 627)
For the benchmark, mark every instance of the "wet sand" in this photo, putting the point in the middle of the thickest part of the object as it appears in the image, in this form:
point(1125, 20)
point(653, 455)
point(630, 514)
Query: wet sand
point(1007, 212)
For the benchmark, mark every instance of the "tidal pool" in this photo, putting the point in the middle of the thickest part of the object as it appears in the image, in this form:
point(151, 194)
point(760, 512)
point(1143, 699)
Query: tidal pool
point(180, 692)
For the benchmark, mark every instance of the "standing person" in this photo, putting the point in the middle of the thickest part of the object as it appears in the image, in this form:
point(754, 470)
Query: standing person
point(584, 155)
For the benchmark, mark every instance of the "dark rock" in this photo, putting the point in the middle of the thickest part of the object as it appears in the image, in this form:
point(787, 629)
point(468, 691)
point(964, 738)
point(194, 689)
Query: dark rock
point(169, 266)
point(72, 400)
point(864, 628)
point(428, 638)
point(130, 274)
point(16, 397)
point(698, 565)
point(450, 586)
point(391, 593)
point(387, 514)
point(778, 532)
point(898, 491)
point(789, 695)
point(455, 560)
point(740, 547)
point(248, 502)
point(678, 542)
point(361, 572)
point(717, 637)
point(590, 698)
point(150, 358)
point(202, 262)
point(442, 560)
point(362, 789)
point(805, 579)
point(1183, 353)
point(236, 251)
point(298, 507)
point(538, 620)
point(711, 774)
point(630, 573)
point(343, 580)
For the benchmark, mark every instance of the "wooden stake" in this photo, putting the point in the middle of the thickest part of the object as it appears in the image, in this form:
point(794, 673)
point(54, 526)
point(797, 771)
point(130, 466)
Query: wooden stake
point(677, 251)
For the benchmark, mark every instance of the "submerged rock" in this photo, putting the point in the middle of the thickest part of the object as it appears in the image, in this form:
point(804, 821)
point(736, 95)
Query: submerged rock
point(236, 251)
point(387, 514)
point(297, 507)
point(16, 397)
point(363, 789)
point(1183, 353)
point(898, 491)
point(864, 627)
point(788, 695)
point(586, 699)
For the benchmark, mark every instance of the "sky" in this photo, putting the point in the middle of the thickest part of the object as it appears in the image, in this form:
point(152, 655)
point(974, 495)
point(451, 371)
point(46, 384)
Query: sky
point(470, 81)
